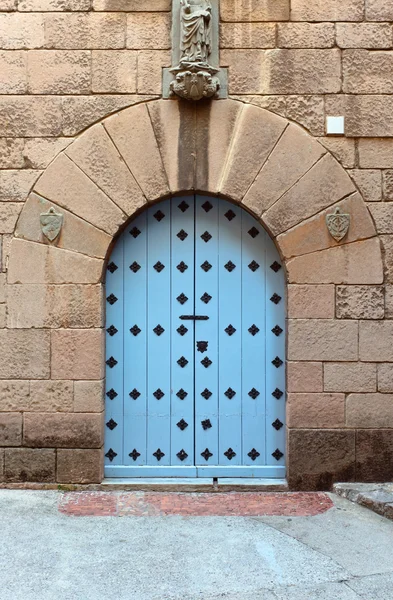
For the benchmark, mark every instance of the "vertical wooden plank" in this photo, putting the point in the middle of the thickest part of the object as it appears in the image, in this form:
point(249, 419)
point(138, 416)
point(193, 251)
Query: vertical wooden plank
point(114, 399)
point(229, 320)
point(253, 341)
point(159, 346)
point(206, 304)
point(182, 332)
point(135, 343)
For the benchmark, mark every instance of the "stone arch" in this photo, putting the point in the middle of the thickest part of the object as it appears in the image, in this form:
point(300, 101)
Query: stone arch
point(147, 152)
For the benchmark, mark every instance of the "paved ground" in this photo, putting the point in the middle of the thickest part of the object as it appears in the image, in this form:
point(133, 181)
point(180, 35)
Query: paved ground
point(342, 553)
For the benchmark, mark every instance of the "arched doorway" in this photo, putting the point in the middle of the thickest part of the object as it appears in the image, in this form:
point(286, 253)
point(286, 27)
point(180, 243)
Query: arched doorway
point(195, 346)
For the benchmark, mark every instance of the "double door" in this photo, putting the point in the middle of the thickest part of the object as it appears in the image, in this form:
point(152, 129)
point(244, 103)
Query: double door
point(195, 345)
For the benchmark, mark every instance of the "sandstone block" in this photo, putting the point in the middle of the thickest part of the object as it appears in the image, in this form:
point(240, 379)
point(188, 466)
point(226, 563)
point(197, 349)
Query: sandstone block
point(382, 213)
point(10, 429)
point(322, 339)
point(304, 376)
point(369, 411)
point(320, 10)
point(89, 396)
point(54, 5)
point(13, 74)
point(69, 187)
point(379, 10)
point(11, 153)
point(35, 263)
point(132, 5)
point(388, 185)
point(255, 10)
point(8, 5)
point(5, 250)
point(375, 341)
point(150, 65)
point(3, 287)
point(313, 235)
point(76, 234)
point(316, 411)
point(65, 306)
point(28, 464)
point(15, 185)
point(79, 31)
point(114, 71)
point(360, 302)
point(364, 35)
point(311, 301)
point(9, 213)
point(247, 35)
point(365, 115)
point(21, 31)
point(276, 104)
point(343, 150)
point(14, 396)
point(385, 378)
point(317, 459)
point(349, 377)
point(283, 168)
point(247, 71)
point(387, 244)
point(389, 301)
point(356, 263)
point(65, 430)
point(376, 153)
point(306, 35)
point(80, 466)
point(367, 72)
point(39, 152)
point(97, 156)
point(30, 117)
point(3, 315)
point(24, 354)
point(51, 396)
point(134, 137)
point(369, 182)
point(2, 465)
point(151, 31)
point(59, 72)
point(323, 185)
point(308, 111)
point(77, 354)
point(374, 455)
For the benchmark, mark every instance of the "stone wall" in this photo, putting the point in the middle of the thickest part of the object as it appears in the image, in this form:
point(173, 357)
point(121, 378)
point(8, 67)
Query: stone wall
point(66, 64)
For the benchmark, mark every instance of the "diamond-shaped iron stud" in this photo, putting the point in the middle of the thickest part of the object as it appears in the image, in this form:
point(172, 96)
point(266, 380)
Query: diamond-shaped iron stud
point(135, 330)
point(182, 455)
point(159, 266)
point(230, 330)
point(277, 394)
point(277, 454)
point(112, 330)
point(277, 330)
point(111, 299)
point(277, 362)
point(158, 330)
point(206, 454)
point(230, 266)
point(275, 266)
point(159, 215)
point(182, 424)
point(253, 330)
point(182, 394)
point(253, 266)
point(253, 394)
point(158, 394)
point(182, 330)
point(206, 424)
point(111, 454)
point(253, 232)
point(206, 298)
point(230, 454)
point(182, 235)
point(253, 454)
point(135, 232)
point(230, 215)
point(206, 266)
point(183, 206)
point(182, 362)
point(206, 237)
point(277, 424)
point(207, 206)
point(112, 394)
point(230, 393)
point(206, 362)
point(135, 394)
point(158, 454)
point(134, 454)
point(111, 424)
point(206, 394)
point(275, 298)
point(111, 362)
point(112, 267)
point(135, 267)
point(182, 299)
point(182, 267)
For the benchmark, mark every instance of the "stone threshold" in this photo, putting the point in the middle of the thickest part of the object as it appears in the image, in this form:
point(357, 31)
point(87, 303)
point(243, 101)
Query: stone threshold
point(378, 497)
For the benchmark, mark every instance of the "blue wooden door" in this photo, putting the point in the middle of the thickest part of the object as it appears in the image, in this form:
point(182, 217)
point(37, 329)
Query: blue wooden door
point(195, 346)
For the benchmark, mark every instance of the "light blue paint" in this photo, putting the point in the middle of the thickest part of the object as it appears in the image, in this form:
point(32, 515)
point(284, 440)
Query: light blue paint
point(192, 256)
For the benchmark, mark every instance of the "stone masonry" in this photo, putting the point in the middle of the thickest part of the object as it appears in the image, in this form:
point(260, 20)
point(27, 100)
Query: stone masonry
point(67, 69)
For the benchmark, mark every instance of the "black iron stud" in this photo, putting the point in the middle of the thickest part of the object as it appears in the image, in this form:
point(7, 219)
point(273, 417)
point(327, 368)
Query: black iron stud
point(183, 206)
point(253, 393)
point(182, 330)
point(158, 330)
point(253, 232)
point(111, 454)
point(202, 346)
point(253, 266)
point(112, 267)
point(277, 424)
point(277, 394)
point(182, 299)
point(277, 454)
point(206, 424)
point(253, 454)
point(206, 266)
point(230, 330)
point(112, 394)
point(111, 424)
point(182, 394)
point(206, 237)
point(230, 215)
point(134, 454)
point(182, 362)
point(158, 394)
point(275, 266)
point(182, 424)
point(112, 330)
point(135, 394)
point(158, 454)
point(182, 235)
point(206, 454)
point(135, 330)
point(230, 266)
point(277, 362)
point(182, 455)
point(277, 330)
point(111, 362)
point(206, 362)
point(159, 267)
point(230, 393)
point(135, 232)
point(206, 394)
point(253, 330)
point(206, 298)
point(135, 267)
point(230, 454)
point(159, 215)
point(111, 299)
point(207, 206)
point(182, 267)
point(275, 298)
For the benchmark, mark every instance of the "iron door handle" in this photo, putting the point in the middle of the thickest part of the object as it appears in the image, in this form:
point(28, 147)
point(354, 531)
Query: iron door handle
point(194, 318)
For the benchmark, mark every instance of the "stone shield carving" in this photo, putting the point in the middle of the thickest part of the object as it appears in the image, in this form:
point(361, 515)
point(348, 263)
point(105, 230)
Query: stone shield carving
point(338, 224)
point(51, 224)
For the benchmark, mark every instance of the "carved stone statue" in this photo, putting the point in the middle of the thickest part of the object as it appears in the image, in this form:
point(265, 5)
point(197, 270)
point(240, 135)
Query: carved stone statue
point(195, 31)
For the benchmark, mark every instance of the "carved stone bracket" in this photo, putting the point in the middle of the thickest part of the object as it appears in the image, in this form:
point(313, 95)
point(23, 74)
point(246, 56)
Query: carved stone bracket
point(338, 224)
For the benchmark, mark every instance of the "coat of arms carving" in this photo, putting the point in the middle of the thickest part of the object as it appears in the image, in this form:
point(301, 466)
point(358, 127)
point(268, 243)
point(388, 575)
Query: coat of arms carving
point(338, 224)
point(51, 223)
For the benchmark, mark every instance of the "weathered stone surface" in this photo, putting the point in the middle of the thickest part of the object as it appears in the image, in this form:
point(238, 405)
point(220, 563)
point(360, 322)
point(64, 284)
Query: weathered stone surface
point(28, 464)
point(349, 377)
point(76, 234)
point(77, 354)
point(387, 244)
point(69, 187)
point(382, 213)
point(21, 31)
point(22, 116)
point(321, 10)
point(39, 152)
point(2, 464)
point(51, 396)
point(24, 354)
point(215, 125)
point(375, 341)
point(369, 411)
point(88, 396)
point(10, 429)
point(36, 263)
point(132, 5)
point(54, 5)
point(59, 72)
point(150, 65)
point(79, 31)
point(65, 306)
point(364, 35)
point(313, 235)
point(388, 185)
point(14, 396)
point(80, 466)
point(133, 134)
point(65, 430)
point(174, 127)
point(306, 35)
point(247, 35)
point(343, 149)
point(114, 71)
point(150, 31)
point(367, 72)
point(283, 168)
point(13, 73)
point(385, 378)
point(9, 213)
point(323, 185)
point(322, 339)
point(247, 72)
point(311, 302)
point(365, 115)
point(369, 182)
point(316, 411)
point(3, 315)
point(11, 153)
point(304, 376)
point(374, 455)
point(276, 104)
point(3, 287)
point(389, 301)
point(379, 10)
point(359, 262)
point(96, 155)
point(319, 458)
point(360, 302)
point(254, 10)
point(256, 134)
point(15, 185)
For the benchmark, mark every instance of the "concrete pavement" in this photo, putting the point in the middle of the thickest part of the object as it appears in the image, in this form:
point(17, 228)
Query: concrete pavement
point(346, 553)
